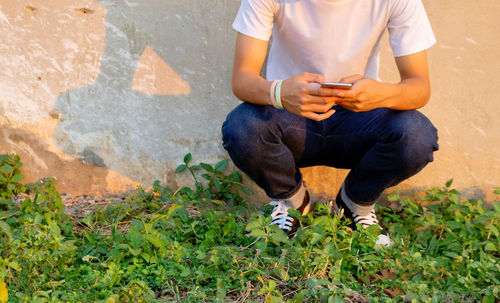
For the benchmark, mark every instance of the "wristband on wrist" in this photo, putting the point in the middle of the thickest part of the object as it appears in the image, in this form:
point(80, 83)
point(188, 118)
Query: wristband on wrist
point(277, 94)
point(271, 93)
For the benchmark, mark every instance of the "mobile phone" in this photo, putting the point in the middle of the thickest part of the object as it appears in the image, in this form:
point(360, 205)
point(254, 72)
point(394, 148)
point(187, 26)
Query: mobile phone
point(337, 85)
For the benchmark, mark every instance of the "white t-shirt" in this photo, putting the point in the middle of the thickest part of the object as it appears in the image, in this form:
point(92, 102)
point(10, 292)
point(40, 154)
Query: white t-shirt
point(335, 38)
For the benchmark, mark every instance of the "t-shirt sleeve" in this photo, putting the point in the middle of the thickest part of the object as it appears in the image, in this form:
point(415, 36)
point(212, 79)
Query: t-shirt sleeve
point(409, 28)
point(255, 18)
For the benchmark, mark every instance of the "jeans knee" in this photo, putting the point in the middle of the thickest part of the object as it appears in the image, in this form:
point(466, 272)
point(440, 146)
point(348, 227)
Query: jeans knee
point(242, 127)
point(418, 138)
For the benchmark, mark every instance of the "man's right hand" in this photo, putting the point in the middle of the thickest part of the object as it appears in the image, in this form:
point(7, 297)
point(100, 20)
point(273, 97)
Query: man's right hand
point(301, 97)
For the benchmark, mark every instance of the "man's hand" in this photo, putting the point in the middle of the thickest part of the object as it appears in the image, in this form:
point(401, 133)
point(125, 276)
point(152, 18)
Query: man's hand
point(411, 93)
point(300, 97)
point(366, 94)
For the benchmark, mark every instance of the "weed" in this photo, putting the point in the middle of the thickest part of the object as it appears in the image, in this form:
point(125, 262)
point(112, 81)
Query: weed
point(200, 245)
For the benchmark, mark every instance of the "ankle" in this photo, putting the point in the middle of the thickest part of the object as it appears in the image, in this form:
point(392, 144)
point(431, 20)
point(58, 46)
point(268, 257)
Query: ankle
point(355, 208)
point(297, 199)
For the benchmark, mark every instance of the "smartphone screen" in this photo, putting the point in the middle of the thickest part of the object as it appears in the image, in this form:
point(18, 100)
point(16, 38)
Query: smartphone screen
point(337, 85)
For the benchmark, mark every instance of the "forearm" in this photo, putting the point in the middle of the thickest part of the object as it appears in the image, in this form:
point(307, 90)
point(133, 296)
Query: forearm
point(411, 93)
point(251, 88)
point(367, 94)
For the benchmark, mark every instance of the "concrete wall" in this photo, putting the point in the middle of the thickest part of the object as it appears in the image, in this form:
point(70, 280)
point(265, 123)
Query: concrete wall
point(108, 94)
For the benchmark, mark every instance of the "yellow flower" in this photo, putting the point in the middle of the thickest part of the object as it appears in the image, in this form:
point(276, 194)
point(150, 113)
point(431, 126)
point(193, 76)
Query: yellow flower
point(4, 294)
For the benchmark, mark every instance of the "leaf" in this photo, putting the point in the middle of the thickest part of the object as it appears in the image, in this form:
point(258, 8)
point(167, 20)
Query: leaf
point(112, 299)
point(494, 229)
point(335, 299)
point(200, 254)
point(279, 237)
point(11, 187)
point(246, 190)
point(207, 167)
point(315, 238)
point(187, 158)
point(453, 225)
point(257, 233)
point(221, 166)
point(6, 229)
point(4, 294)
point(311, 283)
point(88, 258)
point(449, 182)
point(490, 247)
point(17, 178)
point(195, 167)
point(235, 176)
point(218, 202)
point(6, 169)
point(488, 299)
point(294, 213)
point(274, 299)
point(135, 252)
point(321, 221)
point(221, 290)
point(299, 298)
point(155, 240)
point(171, 210)
point(14, 265)
point(496, 205)
point(255, 222)
point(88, 220)
point(217, 184)
point(394, 196)
point(180, 168)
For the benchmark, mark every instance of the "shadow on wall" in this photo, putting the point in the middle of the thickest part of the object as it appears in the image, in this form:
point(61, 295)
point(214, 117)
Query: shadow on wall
point(142, 136)
point(35, 154)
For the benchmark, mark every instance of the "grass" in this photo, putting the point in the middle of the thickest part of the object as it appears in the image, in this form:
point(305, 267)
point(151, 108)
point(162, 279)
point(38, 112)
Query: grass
point(206, 244)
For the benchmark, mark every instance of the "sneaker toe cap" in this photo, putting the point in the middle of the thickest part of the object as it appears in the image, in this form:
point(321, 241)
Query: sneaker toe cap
point(383, 240)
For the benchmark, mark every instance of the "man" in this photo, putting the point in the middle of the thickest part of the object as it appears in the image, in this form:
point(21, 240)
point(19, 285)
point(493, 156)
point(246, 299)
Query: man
point(289, 121)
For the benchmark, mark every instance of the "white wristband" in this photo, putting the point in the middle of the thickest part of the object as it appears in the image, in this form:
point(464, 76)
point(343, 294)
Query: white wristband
point(271, 93)
point(277, 94)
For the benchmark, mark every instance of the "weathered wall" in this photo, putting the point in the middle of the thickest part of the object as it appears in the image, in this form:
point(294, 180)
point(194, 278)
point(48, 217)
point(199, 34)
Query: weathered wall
point(108, 94)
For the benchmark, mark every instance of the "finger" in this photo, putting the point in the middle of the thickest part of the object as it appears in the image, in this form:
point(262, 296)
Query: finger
point(354, 107)
point(322, 91)
point(317, 108)
point(346, 94)
point(313, 78)
point(351, 79)
point(319, 100)
point(319, 117)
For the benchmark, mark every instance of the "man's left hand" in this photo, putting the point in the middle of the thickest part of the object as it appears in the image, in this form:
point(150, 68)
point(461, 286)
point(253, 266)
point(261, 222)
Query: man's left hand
point(366, 94)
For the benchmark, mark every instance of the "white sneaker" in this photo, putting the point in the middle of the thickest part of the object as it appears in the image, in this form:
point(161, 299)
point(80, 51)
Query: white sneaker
point(365, 221)
point(281, 217)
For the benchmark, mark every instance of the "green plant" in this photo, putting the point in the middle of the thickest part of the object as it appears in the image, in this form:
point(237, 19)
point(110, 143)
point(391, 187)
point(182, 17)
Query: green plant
point(217, 185)
point(10, 178)
point(196, 245)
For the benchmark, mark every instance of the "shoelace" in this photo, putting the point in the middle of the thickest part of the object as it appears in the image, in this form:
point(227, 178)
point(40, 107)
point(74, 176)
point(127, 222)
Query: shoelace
point(280, 214)
point(367, 220)
point(371, 219)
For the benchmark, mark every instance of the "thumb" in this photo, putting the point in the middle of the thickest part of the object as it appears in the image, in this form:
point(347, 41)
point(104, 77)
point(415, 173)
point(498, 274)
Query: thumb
point(351, 79)
point(313, 78)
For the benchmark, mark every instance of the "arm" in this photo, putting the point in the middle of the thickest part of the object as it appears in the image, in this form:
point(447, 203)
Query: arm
point(412, 92)
point(297, 95)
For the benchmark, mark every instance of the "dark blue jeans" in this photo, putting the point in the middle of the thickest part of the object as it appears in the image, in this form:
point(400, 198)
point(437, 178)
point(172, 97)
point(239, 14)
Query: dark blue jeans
point(382, 147)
